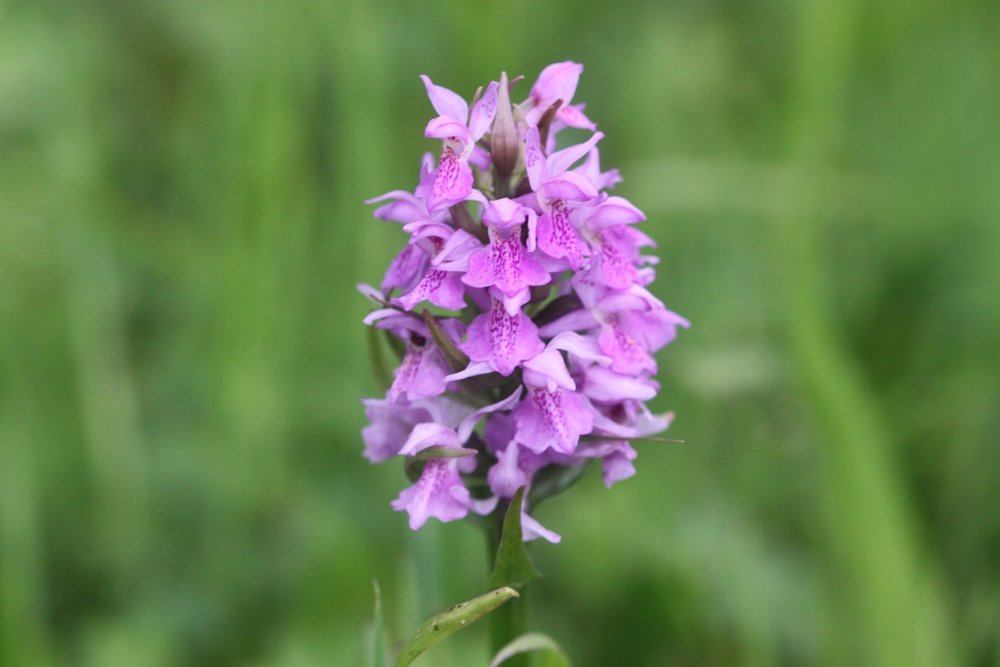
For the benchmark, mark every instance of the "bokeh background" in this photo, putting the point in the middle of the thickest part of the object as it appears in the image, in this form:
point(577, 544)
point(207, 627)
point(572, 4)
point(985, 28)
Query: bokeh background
point(182, 358)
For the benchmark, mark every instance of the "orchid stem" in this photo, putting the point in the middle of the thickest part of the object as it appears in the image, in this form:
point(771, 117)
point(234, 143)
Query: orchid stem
point(511, 620)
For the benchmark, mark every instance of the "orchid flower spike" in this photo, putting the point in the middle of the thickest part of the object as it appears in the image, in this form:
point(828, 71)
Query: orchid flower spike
point(539, 353)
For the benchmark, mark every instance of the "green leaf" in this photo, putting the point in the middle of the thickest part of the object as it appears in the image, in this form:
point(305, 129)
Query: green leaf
point(643, 440)
point(378, 636)
point(554, 479)
point(553, 655)
point(513, 566)
point(414, 465)
point(450, 621)
point(380, 371)
point(558, 307)
point(460, 214)
point(397, 346)
point(442, 452)
point(455, 357)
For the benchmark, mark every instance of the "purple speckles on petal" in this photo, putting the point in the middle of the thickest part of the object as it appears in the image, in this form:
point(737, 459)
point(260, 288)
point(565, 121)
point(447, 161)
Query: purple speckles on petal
point(552, 419)
point(453, 181)
point(432, 495)
point(421, 374)
point(442, 288)
point(505, 262)
point(628, 354)
point(502, 339)
point(556, 236)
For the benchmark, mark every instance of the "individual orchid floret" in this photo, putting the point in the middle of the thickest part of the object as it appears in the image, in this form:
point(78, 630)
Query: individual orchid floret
point(633, 324)
point(617, 459)
point(559, 191)
point(557, 83)
point(555, 416)
point(506, 261)
point(501, 339)
point(423, 368)
point(459, 130)
point(442, 286)
point(439, 491)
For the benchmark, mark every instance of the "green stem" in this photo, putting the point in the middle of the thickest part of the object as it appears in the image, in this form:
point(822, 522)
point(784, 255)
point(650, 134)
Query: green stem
point(511, 620)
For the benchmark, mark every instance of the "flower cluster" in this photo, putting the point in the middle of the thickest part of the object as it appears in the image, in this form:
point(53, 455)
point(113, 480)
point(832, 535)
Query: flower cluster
point(539, 353)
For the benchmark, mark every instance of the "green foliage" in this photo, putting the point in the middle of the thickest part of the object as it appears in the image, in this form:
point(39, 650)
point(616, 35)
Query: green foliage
point(376, 354)
point(513, 566)
point(457, 359)
point(378, 630)
point(441, 626)
point(551, 654)
point(553, 480)
point(414, 465)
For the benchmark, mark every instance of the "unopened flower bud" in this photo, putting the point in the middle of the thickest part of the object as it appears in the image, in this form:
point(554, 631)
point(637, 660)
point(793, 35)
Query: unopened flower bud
point(504, 143)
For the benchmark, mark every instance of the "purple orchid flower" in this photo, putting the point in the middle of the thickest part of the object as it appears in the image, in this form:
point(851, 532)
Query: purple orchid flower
point(440, 491)
point(558, 82)
point(548, 293)
point(502, 339)
point(459, 130)
point(506, 262)
point(558, 191)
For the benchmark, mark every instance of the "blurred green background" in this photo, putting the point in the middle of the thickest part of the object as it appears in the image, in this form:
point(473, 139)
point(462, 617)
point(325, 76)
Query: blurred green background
point(182, 357)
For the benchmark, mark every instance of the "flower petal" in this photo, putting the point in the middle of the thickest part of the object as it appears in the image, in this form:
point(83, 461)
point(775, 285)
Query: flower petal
point(436, 494)
point(558, 238)
point(502, 339)
point(534, 159)
point(452, 182)
point(483, 112)
point(562, 160)
point(557, 82)
point(552, 419)
point(505, 477)
point(446, 102)
point(428, 435)
point(531, 529)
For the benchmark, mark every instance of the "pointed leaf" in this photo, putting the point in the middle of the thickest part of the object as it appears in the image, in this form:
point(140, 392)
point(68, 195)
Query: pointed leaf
point(554, 479)
point(460, 214)
point(414, 465)
point(513, 565)
point(442, 452)
point(376, 355)
point(545, 121)
point(644, 439)
point(450, 621)
point(378, 634)
point(396, 345)
point(558, 307)
point(553, 655)
point(455, 357)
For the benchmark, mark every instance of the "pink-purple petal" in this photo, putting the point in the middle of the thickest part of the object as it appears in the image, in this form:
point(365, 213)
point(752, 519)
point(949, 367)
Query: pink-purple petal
point(444, 101)
point(552, 419)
